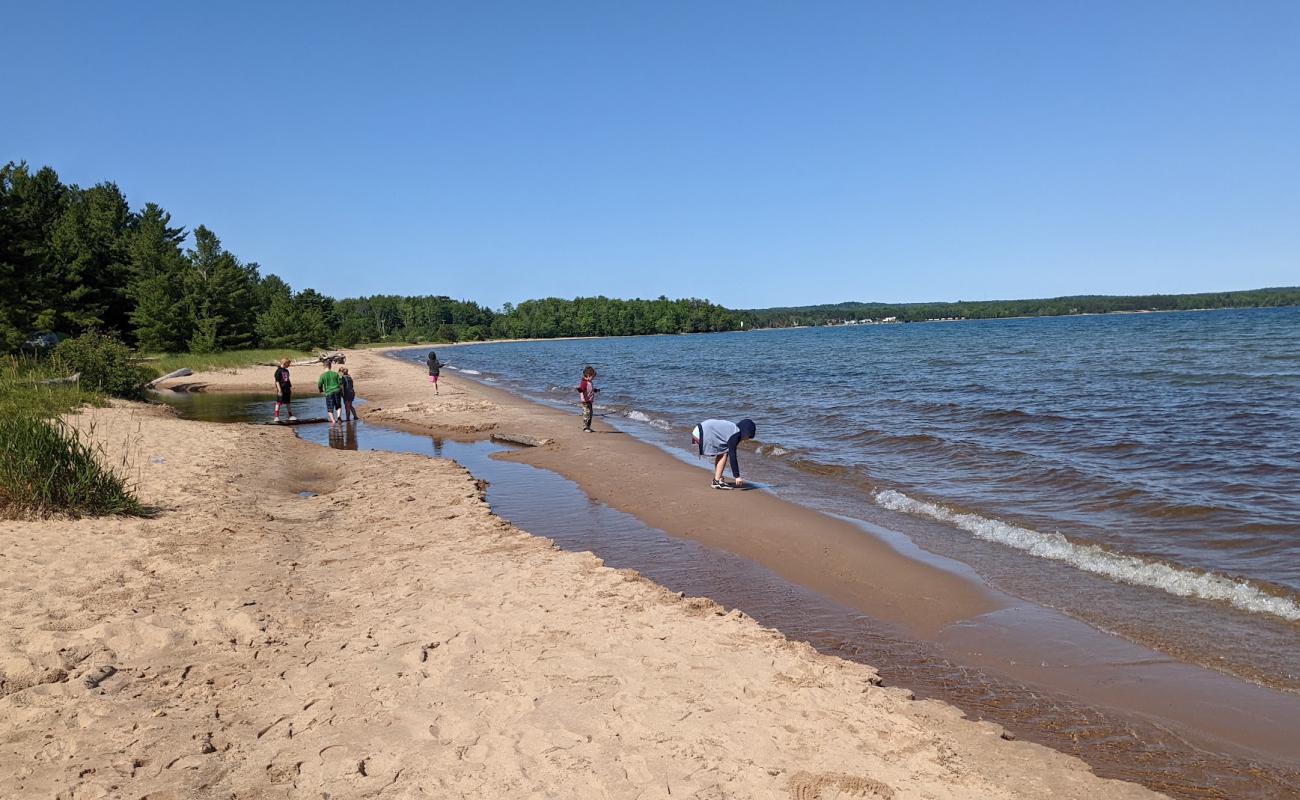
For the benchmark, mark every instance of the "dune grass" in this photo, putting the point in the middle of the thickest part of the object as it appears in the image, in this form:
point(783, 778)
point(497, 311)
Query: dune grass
point(229, 359)
point(46, 467)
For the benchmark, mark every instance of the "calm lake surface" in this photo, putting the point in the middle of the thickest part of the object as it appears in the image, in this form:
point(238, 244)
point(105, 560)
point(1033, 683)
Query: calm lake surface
point(1138, 471)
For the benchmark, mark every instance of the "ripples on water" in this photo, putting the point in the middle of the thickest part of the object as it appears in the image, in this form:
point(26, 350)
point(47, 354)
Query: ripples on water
point(1155, 450)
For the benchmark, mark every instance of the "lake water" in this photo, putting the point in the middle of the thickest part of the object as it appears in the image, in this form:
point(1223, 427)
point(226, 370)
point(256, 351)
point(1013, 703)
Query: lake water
point(1139, 472)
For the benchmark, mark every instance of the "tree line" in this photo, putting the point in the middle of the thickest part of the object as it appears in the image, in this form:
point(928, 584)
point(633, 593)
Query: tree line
point(76, 260)
point(995, 309)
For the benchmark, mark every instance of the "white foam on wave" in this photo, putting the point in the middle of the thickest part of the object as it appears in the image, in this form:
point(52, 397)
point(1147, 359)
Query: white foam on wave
point(1126, 569)
point(773, 450)
point(470, 371)
point(641, 416)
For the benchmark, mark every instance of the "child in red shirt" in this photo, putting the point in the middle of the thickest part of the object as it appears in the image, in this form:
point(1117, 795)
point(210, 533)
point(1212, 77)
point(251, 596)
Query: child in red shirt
point(587, 392)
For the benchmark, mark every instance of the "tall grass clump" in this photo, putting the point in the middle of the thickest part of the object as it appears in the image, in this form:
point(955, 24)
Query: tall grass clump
point(45, 466)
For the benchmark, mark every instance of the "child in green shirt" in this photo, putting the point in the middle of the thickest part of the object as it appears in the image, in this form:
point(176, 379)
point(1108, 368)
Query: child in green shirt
point(332, 387)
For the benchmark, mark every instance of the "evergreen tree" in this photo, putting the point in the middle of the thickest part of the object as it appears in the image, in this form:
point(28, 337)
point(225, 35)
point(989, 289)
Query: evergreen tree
point(295, 322)
point(161, 317)
point(30, 206)
point(88, 260)
point(219, 293)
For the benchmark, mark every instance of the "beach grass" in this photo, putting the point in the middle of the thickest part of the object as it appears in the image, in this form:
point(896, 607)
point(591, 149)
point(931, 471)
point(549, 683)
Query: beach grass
point(46, 467)
point(229, 359)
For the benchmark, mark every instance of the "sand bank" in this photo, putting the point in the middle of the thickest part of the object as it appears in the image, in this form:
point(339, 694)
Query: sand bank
point(297, 620)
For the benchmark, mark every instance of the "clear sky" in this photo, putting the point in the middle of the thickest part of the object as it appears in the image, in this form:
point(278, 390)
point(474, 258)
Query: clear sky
point(755, 153)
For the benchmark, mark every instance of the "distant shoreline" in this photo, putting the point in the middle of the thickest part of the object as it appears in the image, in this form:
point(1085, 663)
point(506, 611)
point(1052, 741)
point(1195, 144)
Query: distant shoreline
point(1021, 316)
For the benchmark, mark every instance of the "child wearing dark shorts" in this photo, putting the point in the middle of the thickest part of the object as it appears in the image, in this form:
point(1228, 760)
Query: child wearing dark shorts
point(283, 390)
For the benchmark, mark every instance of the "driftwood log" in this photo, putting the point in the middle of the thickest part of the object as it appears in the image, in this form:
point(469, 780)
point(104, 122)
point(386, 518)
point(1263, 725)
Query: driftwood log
point(176, 373)
point(323, 358)
point(519, 438)
point(73, 378)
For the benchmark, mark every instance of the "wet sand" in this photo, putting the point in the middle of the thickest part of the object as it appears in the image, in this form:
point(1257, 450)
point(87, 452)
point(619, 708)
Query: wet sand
point(297, 621)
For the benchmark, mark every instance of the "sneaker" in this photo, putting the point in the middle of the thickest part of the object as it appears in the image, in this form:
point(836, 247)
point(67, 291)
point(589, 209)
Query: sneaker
point(722, 485)
point(292, 418)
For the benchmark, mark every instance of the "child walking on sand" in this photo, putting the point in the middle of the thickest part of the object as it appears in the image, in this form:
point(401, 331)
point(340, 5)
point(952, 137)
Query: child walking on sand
point(283, 390)
point(720, 438)
point(587, 394)
point(435, 368)
point(330, 386)
point(349, 394)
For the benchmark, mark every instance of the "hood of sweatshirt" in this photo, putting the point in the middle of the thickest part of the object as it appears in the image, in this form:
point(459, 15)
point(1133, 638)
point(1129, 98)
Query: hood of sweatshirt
point(747, 428)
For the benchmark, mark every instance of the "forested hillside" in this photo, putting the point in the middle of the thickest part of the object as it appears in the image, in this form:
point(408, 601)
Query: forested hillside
point(992, 309)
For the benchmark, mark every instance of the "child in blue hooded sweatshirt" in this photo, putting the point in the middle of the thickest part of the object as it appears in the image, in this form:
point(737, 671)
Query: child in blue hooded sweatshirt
point(720, 438)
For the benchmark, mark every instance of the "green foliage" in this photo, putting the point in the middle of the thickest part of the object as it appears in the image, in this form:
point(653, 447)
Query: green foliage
point(1000, 309)
point(24, 391)
point(46, 468)
point(105, 364)
point(602, 316)
point(30, 206)
point(295, 322)
point(220, 293)
point(161, 316)
point(88, 255)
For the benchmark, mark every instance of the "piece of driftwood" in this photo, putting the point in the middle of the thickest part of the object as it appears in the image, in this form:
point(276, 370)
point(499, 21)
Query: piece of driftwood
point(323, 358)
point(300, 421)
point(519, 438)
point(176, 373)
point(73, 378)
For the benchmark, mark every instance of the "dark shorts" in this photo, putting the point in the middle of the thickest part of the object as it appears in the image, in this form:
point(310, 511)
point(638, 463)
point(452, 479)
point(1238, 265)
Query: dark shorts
point(283, 397)
point(333, 402)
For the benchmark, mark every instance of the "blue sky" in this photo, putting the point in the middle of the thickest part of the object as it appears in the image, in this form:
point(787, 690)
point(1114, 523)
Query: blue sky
point(756, 153)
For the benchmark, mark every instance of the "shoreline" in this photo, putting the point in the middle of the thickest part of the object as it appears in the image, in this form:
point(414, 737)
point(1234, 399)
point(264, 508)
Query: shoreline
point(285, 625)
point(858, 568)
point(925, 600)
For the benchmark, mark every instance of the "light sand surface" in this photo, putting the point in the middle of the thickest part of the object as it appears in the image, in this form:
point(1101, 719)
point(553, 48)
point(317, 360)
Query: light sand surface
point(390, 637)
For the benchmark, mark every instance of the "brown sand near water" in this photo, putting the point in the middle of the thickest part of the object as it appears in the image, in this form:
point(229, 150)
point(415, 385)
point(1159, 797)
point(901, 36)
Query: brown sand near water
point(390, 637)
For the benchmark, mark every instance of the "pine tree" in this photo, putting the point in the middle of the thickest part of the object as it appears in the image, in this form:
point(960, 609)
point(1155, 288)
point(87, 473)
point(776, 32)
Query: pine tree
point(30, 205)
point(219, 294)
point(88, 260)
point(161, 317)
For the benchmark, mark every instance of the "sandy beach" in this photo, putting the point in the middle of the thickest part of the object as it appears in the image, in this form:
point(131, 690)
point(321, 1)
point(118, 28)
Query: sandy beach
point(297, 621)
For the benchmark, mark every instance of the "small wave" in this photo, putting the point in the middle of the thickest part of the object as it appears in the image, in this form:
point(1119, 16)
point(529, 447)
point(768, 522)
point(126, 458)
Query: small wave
point(640, 416)
point(468, 371)
point(1126, 569)
point(772, 450)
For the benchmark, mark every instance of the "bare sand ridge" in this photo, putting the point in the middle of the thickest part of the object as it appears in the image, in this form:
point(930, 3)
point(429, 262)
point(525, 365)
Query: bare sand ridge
point(388, 636)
